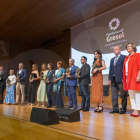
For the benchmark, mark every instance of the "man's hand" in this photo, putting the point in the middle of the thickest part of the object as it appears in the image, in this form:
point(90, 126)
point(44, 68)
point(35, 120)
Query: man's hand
point(109, 82)
point(68, 76)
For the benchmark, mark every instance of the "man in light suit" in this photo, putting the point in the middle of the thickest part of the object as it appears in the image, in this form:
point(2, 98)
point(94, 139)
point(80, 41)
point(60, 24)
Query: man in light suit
point(71, 83)
point(20, 86)
point(84, 81)
point(115, 80)
point(3, 77)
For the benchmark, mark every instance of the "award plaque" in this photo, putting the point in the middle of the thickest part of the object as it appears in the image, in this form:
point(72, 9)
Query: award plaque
point(18, 76)
point(46, 79)
point(41, 74)
point(54, 77)
point(78, 71)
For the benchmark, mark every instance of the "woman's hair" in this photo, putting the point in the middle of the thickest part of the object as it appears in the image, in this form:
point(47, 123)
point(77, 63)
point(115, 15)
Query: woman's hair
point(60, 63)
point(36, 67)
point(133, 46)
point(100, 58)
point(52, 66)
point(46, 67)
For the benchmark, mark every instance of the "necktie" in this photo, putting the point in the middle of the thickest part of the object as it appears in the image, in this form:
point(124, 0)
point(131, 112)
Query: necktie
point(115, 61)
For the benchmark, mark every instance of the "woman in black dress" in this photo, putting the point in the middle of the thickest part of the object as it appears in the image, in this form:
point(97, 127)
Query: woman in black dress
point(33, 84)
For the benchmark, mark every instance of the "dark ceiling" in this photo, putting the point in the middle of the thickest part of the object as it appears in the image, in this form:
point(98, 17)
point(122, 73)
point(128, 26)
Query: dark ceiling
point(35, 21)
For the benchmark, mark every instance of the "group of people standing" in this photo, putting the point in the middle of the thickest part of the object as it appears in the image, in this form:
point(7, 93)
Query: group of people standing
point(124, 75)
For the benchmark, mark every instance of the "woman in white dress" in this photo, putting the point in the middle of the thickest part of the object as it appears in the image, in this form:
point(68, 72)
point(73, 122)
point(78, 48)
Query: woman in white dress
point(41, 92)
point(10, 88)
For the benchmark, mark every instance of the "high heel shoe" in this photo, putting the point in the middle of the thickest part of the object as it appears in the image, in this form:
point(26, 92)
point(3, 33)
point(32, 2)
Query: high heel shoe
point(135, 115)
point(95, 110)
point(100, 110)
point(131, 114)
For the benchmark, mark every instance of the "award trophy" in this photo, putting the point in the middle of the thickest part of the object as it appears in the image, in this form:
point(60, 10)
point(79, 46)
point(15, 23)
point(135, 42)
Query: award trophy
point(18, 77)
point(8, 81)
point(78, 71)
point(68, 71)
point(46, 79)
point(31, 77)
point(95, 66)
point(41, 74)
point(54, 77)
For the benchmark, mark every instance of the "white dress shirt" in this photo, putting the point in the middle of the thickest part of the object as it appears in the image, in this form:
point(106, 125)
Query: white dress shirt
point(126, 67)
point(20, 71)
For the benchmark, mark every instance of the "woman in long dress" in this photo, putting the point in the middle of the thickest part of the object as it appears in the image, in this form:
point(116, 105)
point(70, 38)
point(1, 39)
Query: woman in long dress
point(58, 85)
point(97, 80)
point(131, 78)
point(41, 92)
point(32, 85)
point(10, 88)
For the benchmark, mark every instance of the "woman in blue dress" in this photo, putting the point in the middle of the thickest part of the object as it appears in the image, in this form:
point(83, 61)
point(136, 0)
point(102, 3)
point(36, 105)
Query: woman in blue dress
point(58, 85)
point(10, 88)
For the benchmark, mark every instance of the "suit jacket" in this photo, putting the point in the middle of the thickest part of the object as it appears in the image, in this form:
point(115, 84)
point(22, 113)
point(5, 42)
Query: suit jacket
point(3, 76)
point(85, 74)
point(117, 70)
point(23, 76)
point(50, 75)
point(73, 80)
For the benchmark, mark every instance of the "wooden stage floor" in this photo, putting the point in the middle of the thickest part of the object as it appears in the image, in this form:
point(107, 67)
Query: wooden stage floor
point(103, 126)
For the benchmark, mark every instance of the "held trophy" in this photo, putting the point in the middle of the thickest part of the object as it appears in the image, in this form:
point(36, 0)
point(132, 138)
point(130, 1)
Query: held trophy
point(31, 77)
point(18, 77)
point(8, 81)
point(95, 66)
point(41, 74)
point(68, 71)
point(46, 79)
point(77, 71)
point(54, 77)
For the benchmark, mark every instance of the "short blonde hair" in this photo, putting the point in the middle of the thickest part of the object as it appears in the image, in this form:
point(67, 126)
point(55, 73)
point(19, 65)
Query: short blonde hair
point(133, 46)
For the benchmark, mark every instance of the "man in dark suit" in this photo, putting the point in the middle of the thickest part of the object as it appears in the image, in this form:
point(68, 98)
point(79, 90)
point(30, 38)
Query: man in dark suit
point(84, 81)
point(20, 86)
point(3, 77)
point(115, 80)
point(71, 83)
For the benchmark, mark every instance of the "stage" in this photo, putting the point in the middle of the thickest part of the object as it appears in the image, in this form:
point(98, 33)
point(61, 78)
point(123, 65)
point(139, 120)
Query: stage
point(103, 126)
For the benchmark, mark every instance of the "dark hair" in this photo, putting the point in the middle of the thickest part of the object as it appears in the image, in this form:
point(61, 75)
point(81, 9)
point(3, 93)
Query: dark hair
point(100, 59)
point(60, 63)
point(84, 57)
point(52, 66)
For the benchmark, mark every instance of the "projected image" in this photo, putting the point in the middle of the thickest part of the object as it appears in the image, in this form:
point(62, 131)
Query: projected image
point(106, 31)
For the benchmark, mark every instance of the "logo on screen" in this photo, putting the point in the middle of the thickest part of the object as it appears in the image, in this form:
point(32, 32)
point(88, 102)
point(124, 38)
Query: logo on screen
point(114, 21)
